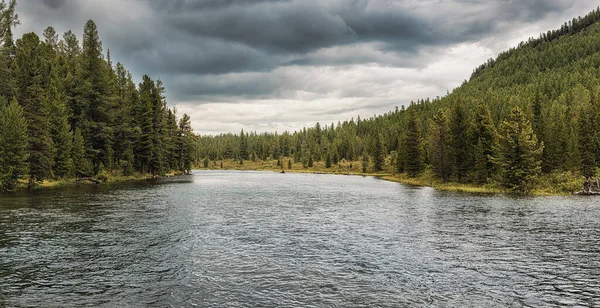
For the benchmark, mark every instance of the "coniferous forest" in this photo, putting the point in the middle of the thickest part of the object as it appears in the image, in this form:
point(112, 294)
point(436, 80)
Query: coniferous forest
point(67, 111)
point(527, 117)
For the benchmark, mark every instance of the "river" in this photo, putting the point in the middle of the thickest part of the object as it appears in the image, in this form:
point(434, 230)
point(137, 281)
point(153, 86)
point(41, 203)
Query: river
point(261, 239)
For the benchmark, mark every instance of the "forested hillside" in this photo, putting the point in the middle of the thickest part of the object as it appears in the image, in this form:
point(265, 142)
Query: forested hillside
point(533, 111)
point(67, 111)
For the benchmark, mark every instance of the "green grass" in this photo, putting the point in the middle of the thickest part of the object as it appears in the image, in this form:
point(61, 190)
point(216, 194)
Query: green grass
point(555, 184)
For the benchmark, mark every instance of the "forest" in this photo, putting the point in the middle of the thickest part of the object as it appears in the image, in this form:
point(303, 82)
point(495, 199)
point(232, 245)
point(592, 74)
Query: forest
point(525, 117)
point(67, 111)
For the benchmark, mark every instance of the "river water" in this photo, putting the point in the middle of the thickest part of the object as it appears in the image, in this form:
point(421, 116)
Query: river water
point(259, 239)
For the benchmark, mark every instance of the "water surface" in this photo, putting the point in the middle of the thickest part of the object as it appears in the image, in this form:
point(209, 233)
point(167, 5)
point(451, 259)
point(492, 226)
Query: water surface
point(258, 239)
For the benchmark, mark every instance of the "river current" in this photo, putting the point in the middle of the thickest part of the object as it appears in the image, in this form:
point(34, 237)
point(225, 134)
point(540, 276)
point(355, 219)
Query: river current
point(261, 239)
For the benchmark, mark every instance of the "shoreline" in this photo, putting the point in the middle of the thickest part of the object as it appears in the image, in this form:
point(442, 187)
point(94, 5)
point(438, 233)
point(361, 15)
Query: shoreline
point(92, 181)
point(546, 188)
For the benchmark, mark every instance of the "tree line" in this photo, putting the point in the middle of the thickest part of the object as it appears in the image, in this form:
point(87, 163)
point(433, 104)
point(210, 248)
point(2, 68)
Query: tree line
point(531, 111)
point(66, 110)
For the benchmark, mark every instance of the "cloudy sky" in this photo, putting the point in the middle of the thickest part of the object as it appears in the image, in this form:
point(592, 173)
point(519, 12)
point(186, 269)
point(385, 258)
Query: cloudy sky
point(275, 65)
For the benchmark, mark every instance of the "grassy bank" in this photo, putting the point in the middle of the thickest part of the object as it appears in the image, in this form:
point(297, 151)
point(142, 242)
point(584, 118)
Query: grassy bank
point(556, 184)
point(102, 178)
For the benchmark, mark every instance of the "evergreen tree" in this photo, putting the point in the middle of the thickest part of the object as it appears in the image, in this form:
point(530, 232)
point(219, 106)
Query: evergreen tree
point(83, 167)
point(519, 152)
point(586, 142)
point(289, 164)
point(485, 136)
point(144, 142)
point(13, 145)
point(32, 78)
point(243, 146)
point(328, 161)
point(94, 92)
point(412, 144)
point(185, 143)
point(459, 143)
point(440, 146)
point(8, 20)
point(365, 162)
point(379, 154)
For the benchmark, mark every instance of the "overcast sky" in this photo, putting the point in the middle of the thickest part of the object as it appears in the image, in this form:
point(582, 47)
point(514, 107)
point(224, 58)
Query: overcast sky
point(275, 65)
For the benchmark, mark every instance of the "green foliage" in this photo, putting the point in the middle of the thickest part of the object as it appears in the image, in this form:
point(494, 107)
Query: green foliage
point(328, 161)
point(440, 147)
point(519, 153)
point(83, 167)
point(13, 145)
point(554, 80)
point(485, 139)
point(412, 142)
point(379, 154)
point(84, 116)
point(365, 162)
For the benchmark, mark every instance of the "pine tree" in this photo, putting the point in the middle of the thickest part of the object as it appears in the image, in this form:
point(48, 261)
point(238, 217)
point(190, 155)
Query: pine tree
point(13, 145)
point(32, 75)
point(94, 92)
point(289, 164)
point(243, 146)
point(60, 129)
point(459, 143)
point(185, 143)
point(51, 37)
point(8, 20)
point(519, 152)
point(365, 162)
point(379, 154)
point(586, 142)
point(485, 136)
point(82, 165)
point(412, 144)
point(144, 144)
point(440, 146)
point(328, 161)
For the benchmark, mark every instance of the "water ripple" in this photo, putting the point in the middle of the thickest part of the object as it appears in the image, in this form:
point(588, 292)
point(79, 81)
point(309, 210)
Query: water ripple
point(253, 239)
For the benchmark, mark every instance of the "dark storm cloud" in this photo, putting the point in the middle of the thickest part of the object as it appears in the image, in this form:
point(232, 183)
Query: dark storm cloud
point(54, 4)
point(222, 36)
point(209, 51)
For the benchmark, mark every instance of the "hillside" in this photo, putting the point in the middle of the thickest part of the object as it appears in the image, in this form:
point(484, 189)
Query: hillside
point(528, 115)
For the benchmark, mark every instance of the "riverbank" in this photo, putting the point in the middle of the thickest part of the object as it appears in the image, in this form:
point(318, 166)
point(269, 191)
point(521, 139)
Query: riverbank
point(101, 179)
point(556, 184)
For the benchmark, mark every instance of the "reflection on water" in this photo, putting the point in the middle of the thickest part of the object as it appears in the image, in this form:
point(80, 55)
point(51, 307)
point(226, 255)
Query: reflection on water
point(247, 239)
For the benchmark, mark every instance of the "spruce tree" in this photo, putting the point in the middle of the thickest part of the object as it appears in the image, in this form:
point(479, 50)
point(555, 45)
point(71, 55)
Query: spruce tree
point(81, 163)
point(519, 152)
point(32, 74)
point(459, 143)
point(379, 154)
point(186, 143)
point(586, 141)
point(412, 144)
point(144, 143)
point(485, 136)
point(328, 161)
point(243, 146)
point(94, 92)
point(440, 152)
point(8, 20)
point(13, 145)
point(365, 162)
